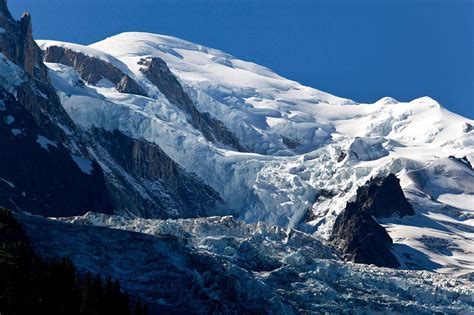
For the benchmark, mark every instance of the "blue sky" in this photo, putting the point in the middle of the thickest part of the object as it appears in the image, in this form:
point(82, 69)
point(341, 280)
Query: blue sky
point(362, 50)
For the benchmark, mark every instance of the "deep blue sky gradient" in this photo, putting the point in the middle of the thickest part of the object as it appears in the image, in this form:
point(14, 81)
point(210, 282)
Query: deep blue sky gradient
point(362, 50)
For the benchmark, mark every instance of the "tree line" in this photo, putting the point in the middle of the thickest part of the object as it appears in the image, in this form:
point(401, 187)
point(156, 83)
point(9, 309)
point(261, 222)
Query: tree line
point(30, 285)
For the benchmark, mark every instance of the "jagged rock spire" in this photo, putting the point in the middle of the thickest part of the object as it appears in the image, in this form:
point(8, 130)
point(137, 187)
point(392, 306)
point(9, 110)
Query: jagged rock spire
point(30, 54)
point(26, 18)
point(18, 45)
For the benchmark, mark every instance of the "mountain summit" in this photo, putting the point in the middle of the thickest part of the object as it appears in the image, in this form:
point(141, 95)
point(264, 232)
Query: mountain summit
point(210, 184)
point(306, 152)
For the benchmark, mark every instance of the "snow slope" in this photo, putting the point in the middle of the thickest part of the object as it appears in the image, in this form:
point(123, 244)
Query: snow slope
point(309, 150)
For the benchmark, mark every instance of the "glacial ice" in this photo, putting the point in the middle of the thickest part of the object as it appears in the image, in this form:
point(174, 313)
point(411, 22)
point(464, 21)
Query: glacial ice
point(309, 150)
point(268, 268)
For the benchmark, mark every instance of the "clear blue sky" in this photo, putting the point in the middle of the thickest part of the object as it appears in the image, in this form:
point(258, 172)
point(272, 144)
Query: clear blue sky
point(362, 50)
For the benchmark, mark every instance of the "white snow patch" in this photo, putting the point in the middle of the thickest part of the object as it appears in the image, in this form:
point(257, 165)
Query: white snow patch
point(461, 201)
point(368, 149)
point(105, 83)
point(7, 182)
point(45, 142)
point(9, 120)
point(16, 132)
point(85, 165)
point(11, 75)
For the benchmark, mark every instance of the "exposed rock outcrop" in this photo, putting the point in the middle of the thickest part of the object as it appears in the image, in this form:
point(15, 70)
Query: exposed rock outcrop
point(50, 165)
point(17, 43)
point(357, 235)
point(464, 161)
point(93, 69)
point(157, 187)
point(156, 70)
point(17, 46)
point(41, 175)
point(129, 86)
point(45, 165)
point(467, 128)
point(384, 198)
point(361, 239)
point(290, 143)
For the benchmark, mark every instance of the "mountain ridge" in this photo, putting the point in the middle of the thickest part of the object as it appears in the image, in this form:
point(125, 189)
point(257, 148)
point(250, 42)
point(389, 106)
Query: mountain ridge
point(302, 141)
point(52, 167)
point(225, 184)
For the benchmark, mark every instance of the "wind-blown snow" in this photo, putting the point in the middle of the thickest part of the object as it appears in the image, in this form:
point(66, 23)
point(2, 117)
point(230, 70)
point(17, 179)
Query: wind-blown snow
point(309, 150)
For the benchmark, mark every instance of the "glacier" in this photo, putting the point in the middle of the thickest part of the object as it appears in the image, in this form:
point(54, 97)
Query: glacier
point(226, 188)
point(222, 265)
point(309, 151)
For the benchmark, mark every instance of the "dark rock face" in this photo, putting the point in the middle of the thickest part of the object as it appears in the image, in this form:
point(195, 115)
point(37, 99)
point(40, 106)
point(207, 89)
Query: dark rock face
point(290, 143)
point(17, 43)
point(38, 140)
point(464, 161)
point(361, 239)
point(467, 127)
point(42, 149)
point(384, 199)
point(129, 86)
point(172, 191)
point(38, 173)
point(358, 236)
point(18, 46)
point(93, 69)
point(213, 130)
point(341, 157)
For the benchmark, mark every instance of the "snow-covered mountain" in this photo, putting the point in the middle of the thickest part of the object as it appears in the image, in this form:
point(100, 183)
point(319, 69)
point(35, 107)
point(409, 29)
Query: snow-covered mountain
point(216, 172)
point(307, 151)
point(50, 166)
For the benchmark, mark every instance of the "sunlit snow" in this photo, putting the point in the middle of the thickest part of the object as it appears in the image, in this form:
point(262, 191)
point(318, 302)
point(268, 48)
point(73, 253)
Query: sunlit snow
point(276, 182)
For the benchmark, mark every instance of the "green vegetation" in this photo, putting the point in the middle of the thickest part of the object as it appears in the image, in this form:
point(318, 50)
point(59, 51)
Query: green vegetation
point(29, 285)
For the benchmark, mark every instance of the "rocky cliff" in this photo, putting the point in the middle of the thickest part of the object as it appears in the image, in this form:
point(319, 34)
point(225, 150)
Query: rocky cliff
point(53, 168)
point(155, 185)
point(45, 165)
point(361, 239)
point(156, 70)
point(357, 235)
point(92, 69)
point(383, 198)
